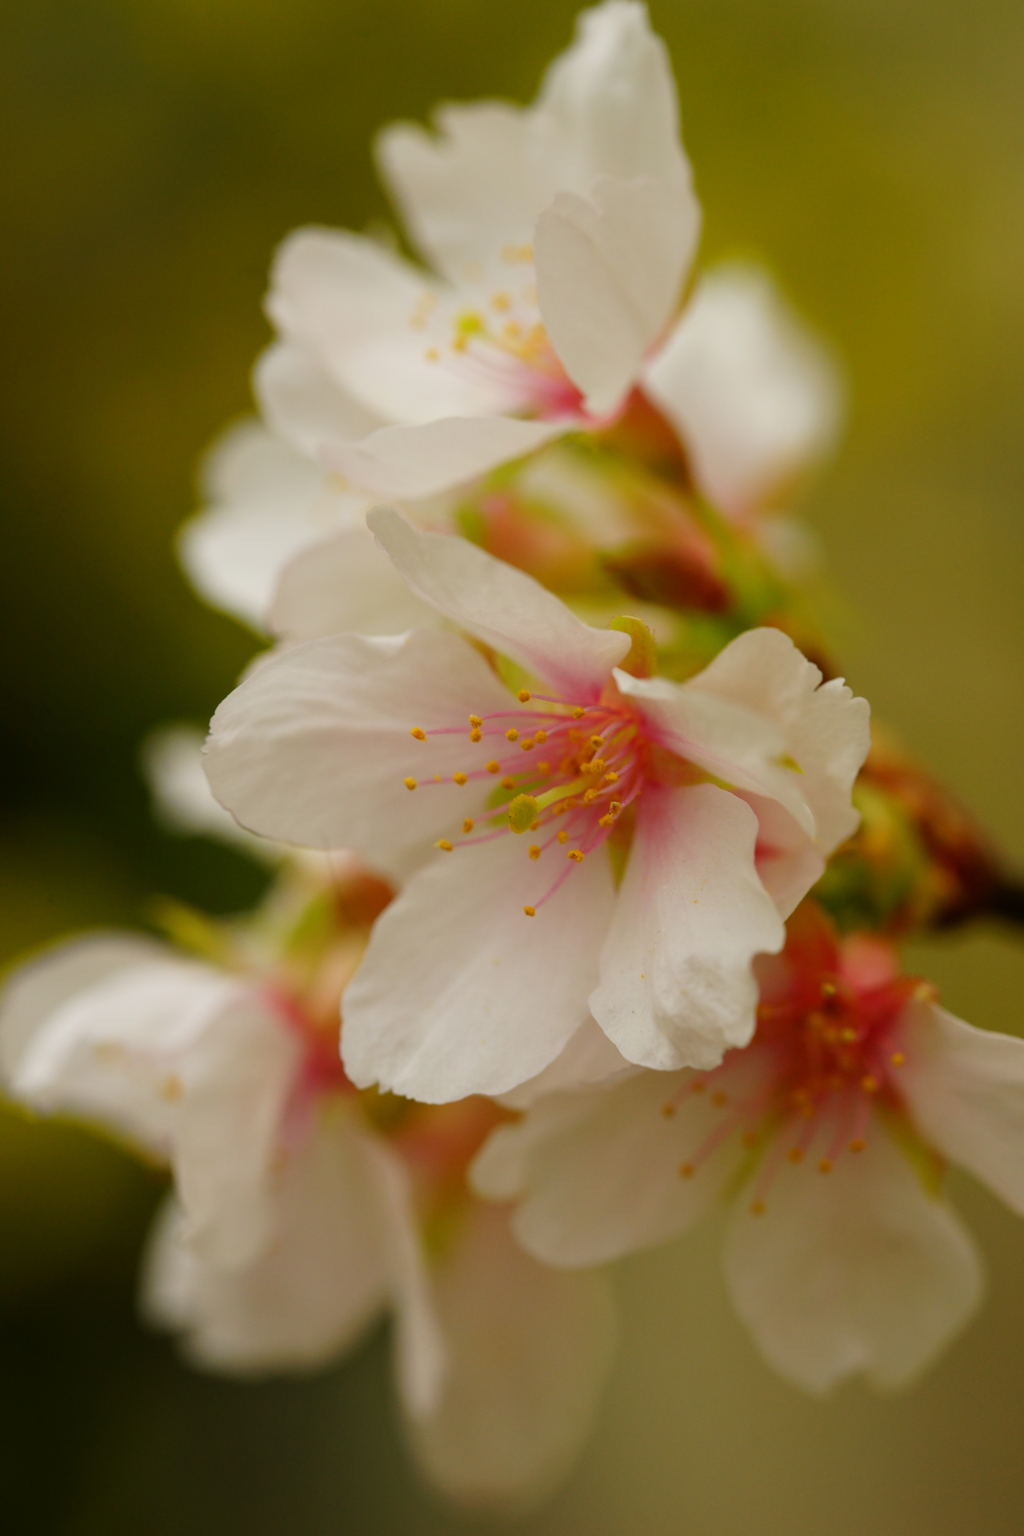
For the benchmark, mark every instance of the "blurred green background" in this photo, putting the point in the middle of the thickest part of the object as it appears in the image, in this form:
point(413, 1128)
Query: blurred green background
point(872, 152)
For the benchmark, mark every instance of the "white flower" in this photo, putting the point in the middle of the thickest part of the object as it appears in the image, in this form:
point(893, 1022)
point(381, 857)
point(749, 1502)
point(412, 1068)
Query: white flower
point(302, 1209)
point(561, 235)
point(828, 1132)
point(725, 792)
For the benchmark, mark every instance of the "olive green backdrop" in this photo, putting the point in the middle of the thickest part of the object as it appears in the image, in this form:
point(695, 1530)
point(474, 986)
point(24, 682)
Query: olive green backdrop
point(872, 151)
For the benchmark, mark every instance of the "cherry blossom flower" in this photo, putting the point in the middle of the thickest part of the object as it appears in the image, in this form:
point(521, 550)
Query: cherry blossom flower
point(828, 1134)
point(609, 843)
point(302, 1209)
point(561, 236)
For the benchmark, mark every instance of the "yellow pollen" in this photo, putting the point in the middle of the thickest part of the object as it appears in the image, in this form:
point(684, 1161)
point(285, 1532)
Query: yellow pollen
point(459, 778)
point(419, 734)
point(409, 783)
point(544, 768)
point(611, 777)
point(530, 911)
point(596, 765)
point(597, 742)
point(849, 1035)
point(476, 734)
point(796, 1154)
point(540, 737)
point(511, 734)
point(511, 330)
point(171, 1088)
point(576, 854)
point(825, 1166)
point(508, 782)
point(432, 355)
point(517, 253)
point(522, 813)
point(475, 720)
point(534, 851)
point(828, 989)
point(563, 837)
point(869, 1084)
point(493, 767)
point(523, 695)
point(757, 1207)
point(668, 1110)
point(856, 1145)
point(459, 344)
point(527, 744)
point(502, 302)
point(686, 1170)
point(443, 842)
point(589, 796)
point(615, 806)
point(606, 821)
point(897, 1058)
point(467, 825)
point(579, 711)
point(698, 1086)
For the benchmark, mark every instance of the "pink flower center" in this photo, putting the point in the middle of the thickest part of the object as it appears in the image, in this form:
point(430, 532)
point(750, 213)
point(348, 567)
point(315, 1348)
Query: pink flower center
point(565, 774)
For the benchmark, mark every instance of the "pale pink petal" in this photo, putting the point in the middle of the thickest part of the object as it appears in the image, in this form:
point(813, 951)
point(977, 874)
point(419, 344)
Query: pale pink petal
point(371, 318)
point(304, 404)
point(826, 729)
point(528, 1354)
point(589, 1057)
point(751, 394)
point(676, 984)
point(788, 863)
point(460, 992)
point(426, 458)
point(343, 583)
point(855, 1271)
point(610, 268)
point(597, 1173)
point(501, 606)
point(964, 1088)
point(308, 1297)
point(172, 764)
point(314, 746)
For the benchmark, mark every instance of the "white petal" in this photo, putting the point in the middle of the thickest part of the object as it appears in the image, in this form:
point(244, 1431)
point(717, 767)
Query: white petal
point(344, 583)
point(529, 1350)
point(357, 307)
point(965, 1089)
point(304, 404)
point(752, 395)
point(305, 1299)
point(855, 1271)
point(426, 458)
point(182, 800)
point(610, 268)
point(461, 993)
point(676, 984)
point(826, 729)
point(267, 502)
point(788, 864)
point(35, 992)
point(313, 747)
point(501, 606)
point(597, 1173)
point(588, 1058)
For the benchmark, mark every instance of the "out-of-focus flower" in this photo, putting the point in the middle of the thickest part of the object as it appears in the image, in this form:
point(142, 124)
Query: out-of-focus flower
point(302, 1209)
point(562, 234)
point(828, 1133)
point(713, 803)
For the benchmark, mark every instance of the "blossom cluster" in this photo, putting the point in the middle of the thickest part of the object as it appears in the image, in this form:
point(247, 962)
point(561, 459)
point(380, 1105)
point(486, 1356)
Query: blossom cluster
point(586, 876)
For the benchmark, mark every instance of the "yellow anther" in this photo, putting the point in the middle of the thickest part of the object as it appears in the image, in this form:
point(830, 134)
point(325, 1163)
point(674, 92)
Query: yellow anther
point(443, 842)
point(897, 1058)
point(795, 1154)
point(432, 355)
point(718, 1098)
point(522, 812)
point(409, 783)
point(856, 1145)
point(615, 806)
point(828, 989)
point(589, 796)
point(171, 1088)
point(686, 1170)
point(611, 777)
point(419, 734)
point(757, 1207)
point(698, 1085)
point(668, 1110)
point(534, 851)
point(459, 344)
point(492, 766)
point(543, 767)
point(476, 734)
point(597, 742)
point(467, 825)
point(825, 1166)
point(527, 744)
point(869, 1083)
point(848, 1035)
point(511, 734)
point(459, 778)
point(516, 253)
point(523, 695)
point(606, 821)
point(475, 721)
point(576, 854)
point(530, 911)
point(579, 711)
point(508, 782)
point(563, 837)
point(595, 765)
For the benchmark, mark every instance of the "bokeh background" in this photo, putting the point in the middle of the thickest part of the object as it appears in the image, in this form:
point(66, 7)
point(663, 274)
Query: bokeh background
point(872, 152)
